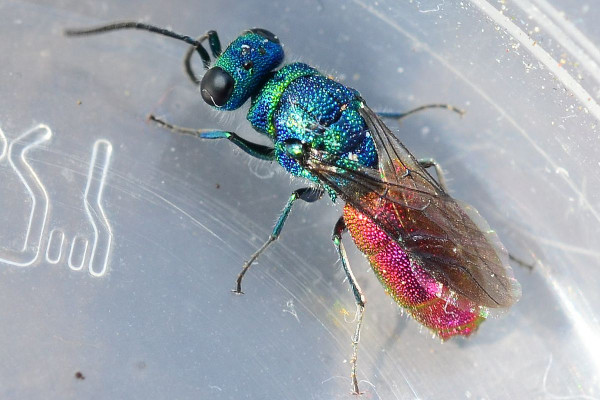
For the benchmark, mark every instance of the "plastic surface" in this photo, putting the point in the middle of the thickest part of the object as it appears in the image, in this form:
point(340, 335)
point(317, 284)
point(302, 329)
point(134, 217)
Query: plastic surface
point(163, 223)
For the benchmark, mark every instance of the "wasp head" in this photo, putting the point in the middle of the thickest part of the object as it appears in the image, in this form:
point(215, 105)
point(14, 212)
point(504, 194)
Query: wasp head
point(241, 70)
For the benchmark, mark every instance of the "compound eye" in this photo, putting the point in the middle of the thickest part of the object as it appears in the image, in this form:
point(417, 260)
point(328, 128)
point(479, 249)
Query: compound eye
point(266, 34)
point(216, 87)
point(295, 148)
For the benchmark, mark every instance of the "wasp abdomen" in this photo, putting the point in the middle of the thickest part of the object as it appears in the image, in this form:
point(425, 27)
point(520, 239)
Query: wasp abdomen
point(407, 282)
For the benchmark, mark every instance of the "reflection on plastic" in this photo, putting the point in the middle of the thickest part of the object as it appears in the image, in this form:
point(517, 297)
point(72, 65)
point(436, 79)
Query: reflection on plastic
point(93, 206)
point(17, 150)
point(3, 145)
point(38, 217)
point(54, 250)
point(77, 253)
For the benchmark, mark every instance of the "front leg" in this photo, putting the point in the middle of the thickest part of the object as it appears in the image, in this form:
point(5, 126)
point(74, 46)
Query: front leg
point(215, 48)
point(254, 149)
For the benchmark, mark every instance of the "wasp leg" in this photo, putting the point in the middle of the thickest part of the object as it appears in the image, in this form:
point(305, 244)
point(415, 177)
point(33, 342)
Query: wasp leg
point(430, 162)
point(215, 48)
point(359, 297)
point(307, 194)
point(399, 116)
point(254, 149)
point(520, 262)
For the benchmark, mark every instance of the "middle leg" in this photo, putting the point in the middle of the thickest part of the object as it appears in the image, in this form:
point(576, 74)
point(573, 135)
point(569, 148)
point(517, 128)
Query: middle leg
point(399, 116)
point(430, 162)
point(307, 194)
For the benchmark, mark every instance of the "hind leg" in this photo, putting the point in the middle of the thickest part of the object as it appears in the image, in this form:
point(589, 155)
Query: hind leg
point(359, 298)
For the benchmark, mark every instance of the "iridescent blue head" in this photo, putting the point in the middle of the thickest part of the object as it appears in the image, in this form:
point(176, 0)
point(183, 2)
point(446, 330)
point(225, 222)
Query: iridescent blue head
point(241, 69)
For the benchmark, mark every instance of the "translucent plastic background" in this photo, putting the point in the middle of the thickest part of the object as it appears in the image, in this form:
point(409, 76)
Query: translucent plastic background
point(120, 242)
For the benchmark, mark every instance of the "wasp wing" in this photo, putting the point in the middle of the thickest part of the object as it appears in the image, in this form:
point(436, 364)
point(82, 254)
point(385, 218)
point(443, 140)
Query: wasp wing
point(449, 239)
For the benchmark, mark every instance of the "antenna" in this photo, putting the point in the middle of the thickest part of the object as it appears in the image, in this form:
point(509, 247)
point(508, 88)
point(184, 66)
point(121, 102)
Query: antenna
point(145, 27)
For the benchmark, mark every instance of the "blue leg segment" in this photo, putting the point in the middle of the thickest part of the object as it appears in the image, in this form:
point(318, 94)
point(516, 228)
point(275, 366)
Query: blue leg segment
point(306, 194)
point(338, 230)
point(430, 162)
point(215, 48)
point(399, 116)
point(254, 149)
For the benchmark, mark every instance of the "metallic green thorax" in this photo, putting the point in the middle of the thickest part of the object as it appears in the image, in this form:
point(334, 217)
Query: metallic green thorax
point(299, 108)
point(266, 102)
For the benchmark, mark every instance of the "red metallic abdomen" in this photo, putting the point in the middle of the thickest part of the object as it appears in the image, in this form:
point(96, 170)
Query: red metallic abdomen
point(408, 283)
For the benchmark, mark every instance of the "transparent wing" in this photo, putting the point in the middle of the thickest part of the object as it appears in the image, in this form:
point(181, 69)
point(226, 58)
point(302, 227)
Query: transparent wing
point(449, 239)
